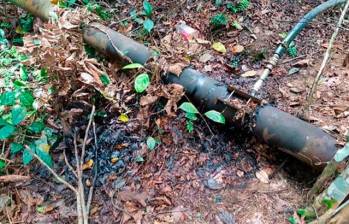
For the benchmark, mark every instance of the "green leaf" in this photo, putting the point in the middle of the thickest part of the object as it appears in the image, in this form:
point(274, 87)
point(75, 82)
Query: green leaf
point(27, 157)
point(139, 159)
point(215, 116)
point(292, 220)
point(190, 126)
point(142, 82)
point(26, 98)
point(148, 8)
point(7, 98)
point(218, 3)
point(18, 114)
point(188, 107)
point(6, 131)
point(191, 116)
point(37, 127)
point(104, 79)
point(219, 20)
point(15, 148)
point(148, 25)
point(41, 209)
point(2, 164)
point(42, 149)
point(132, 66)
point(218, 46)
point(23, 73)
point(151, 143)
point(329, 202)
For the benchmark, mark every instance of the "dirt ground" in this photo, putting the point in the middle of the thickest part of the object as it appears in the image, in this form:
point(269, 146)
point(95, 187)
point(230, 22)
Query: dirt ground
point(213, 175)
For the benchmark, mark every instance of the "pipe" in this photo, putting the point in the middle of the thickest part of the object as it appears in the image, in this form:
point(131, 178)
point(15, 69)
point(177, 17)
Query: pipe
point(280, 51)
point(294, 136)
point(273, 126)
point(43, 9)
point(114, 44)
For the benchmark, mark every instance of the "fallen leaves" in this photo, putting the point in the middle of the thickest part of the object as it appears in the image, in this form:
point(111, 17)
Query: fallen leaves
point(237, 49)
point(218, 46)
point(249, 74)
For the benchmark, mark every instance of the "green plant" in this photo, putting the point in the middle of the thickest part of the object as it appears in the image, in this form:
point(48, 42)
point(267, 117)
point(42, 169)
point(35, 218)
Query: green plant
point(66, 3)
point(190, 114)
point(151, 143)
point(22, 125)
point(241, 6)
point(215, 116)
point(95, 8)
point(142, 82)
point(292, 48)
point(219, 20)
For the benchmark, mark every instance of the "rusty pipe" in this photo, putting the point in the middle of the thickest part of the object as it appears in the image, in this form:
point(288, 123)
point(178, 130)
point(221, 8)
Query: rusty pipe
point(290, 134)
point(115, 45)
point(294, 136)
point(43, 9)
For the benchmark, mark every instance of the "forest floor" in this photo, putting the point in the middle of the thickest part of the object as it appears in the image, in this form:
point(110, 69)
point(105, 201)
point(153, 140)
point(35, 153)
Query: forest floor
point(214, 174)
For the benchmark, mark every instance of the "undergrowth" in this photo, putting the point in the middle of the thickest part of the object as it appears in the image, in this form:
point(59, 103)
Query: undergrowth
point(22, 112)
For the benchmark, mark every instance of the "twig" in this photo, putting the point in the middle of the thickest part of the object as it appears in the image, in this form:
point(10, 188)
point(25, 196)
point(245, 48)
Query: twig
point(90, 194)
point(80, 190)
point(326, 56)
point(79, 165)
point(13, 178)
point(60, 179)
point(86, 134)
point(69, 165)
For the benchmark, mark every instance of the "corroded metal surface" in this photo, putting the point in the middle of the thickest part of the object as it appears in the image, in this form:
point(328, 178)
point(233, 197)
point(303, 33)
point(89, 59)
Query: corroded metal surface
point(40, 8)
point(115, 45)
point(294, 136)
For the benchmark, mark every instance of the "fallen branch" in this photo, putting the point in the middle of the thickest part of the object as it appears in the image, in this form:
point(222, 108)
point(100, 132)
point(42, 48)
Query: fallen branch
point(13, 178)
point(326, 57)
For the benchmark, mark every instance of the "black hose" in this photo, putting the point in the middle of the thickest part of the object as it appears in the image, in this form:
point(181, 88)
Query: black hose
point(280, 51)
point(304, 22)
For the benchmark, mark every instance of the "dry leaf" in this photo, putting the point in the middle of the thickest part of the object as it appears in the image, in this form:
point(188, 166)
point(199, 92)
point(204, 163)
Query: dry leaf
point(176, 68)
point(262, 176)
point(248, 74)
point(237, 49)
point(87, 165)
point(218, 46)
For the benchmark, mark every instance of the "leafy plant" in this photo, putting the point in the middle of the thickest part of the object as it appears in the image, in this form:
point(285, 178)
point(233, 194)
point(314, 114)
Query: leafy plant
point(132, 66)
point(21, 124)
point(241, 6)
point(292, 48)
point(190, 114)
point(151, 143)
point(148, 8)
point(97, 9)
point(219, 20)
point(66, 3)
point(148, 25)
point(215, 116)
point(218, 3)
point(142, 82)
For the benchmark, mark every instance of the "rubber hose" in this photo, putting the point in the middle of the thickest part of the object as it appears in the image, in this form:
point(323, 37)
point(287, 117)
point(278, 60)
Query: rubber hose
point(304, 22)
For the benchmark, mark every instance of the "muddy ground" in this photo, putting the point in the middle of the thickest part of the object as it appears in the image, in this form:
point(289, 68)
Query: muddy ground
point(215, 174)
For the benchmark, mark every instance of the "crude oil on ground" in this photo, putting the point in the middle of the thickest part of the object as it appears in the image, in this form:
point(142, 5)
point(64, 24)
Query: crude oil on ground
point(215, 174)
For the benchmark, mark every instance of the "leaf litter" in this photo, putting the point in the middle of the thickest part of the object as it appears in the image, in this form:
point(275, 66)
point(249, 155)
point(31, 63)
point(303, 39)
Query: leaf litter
point(189, 177)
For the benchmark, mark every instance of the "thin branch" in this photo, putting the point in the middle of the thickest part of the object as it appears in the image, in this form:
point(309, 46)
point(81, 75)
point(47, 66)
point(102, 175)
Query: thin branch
point(60, 179)
point(90, 193)
point(86, 134)
point(69, 165)
point(326, 56)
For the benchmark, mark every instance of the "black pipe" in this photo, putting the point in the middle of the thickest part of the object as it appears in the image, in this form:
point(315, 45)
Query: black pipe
point(280, 51)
